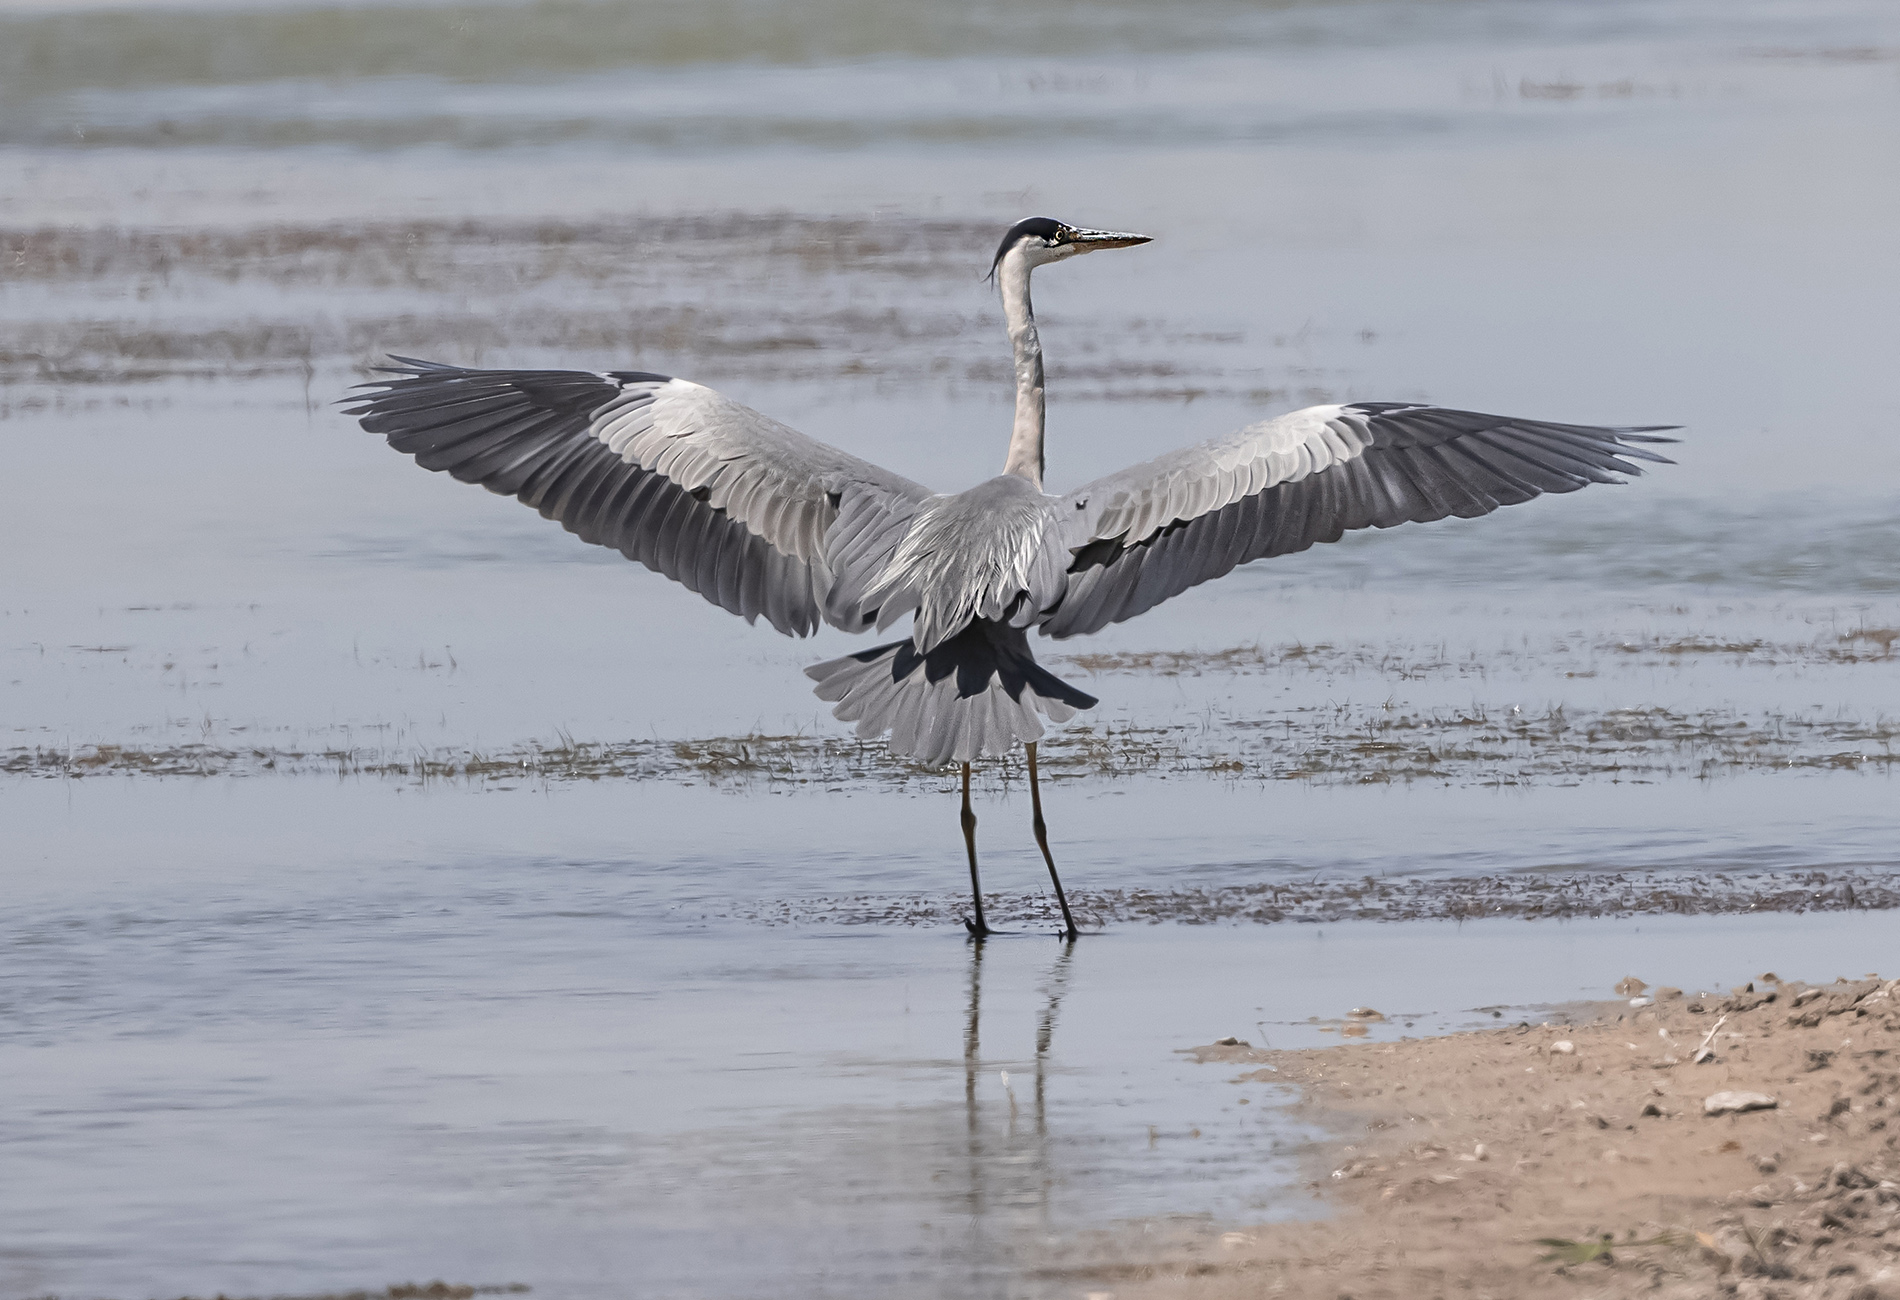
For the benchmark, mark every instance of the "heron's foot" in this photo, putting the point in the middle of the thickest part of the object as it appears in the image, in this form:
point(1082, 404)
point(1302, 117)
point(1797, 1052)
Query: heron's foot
point(977, 929)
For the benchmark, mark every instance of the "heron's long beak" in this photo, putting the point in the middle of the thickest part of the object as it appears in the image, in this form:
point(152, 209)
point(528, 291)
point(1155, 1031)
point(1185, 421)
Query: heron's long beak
point(1090, 240)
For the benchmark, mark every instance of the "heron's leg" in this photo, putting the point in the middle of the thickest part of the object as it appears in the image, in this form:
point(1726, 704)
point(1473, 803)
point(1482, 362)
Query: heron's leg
point(1042, 842)
point(977, 927)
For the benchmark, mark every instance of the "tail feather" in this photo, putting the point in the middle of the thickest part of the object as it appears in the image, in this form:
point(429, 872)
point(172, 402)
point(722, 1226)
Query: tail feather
point(978, 693)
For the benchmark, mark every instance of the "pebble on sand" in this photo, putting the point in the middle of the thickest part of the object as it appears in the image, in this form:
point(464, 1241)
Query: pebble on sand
point(1733, 1103)
point(1364, 1013)
point(1563, 1047)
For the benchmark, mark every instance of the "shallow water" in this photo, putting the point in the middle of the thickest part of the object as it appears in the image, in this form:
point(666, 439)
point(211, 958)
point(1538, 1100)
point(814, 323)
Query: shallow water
point(398, 991)
point(268, 1065)
point(609, 1039)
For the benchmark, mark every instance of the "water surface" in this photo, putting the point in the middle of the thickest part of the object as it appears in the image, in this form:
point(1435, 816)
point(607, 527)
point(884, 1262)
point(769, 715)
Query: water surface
point(389, 994)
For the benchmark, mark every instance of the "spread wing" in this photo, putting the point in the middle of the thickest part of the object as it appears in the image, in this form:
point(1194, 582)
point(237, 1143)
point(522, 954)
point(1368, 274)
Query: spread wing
point(725, 501)
point(1151, 532)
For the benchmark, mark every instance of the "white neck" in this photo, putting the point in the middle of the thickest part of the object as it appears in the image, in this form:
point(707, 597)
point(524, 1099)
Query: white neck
point(1025, 439)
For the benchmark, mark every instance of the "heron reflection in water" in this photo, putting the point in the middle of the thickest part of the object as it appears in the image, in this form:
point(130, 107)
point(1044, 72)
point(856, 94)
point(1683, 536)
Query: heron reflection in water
point(1011, 1163)
point(766, 522)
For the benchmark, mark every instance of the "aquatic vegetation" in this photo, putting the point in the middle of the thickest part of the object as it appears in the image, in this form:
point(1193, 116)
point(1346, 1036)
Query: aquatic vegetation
point(1324, 900)
point(1343, 744)
point(286, 300)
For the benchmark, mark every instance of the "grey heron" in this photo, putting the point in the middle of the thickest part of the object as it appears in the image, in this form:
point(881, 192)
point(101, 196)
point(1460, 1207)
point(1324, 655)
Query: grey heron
point(766, 522)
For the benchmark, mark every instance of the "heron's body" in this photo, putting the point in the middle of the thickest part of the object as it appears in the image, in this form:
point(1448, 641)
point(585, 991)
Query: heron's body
point(766, 522)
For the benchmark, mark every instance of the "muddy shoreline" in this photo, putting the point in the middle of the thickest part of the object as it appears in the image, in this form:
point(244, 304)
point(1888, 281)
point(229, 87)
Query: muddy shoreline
point(1603, 1158)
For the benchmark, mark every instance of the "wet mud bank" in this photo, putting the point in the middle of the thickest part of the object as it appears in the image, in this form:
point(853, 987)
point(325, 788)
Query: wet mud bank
point(1673, 1146)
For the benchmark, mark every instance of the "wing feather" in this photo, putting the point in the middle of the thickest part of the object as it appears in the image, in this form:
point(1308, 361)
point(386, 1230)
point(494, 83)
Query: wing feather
point(682, 479)
point(1151, 532)
point(1484, 474)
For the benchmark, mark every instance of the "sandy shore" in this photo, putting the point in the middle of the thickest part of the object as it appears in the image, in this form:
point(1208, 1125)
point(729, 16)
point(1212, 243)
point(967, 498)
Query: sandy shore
point(1582, 1158)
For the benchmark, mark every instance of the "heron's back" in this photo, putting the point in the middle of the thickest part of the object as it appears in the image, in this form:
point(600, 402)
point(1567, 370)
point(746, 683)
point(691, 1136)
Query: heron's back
point(990, 553)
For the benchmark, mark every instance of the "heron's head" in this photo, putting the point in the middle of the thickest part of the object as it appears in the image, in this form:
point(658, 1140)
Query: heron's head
point(1043, 239)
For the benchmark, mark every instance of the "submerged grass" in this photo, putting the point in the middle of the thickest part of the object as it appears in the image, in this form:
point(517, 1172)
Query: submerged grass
point(1575, 656)
point(1323, 745)
point(704, 293)
point(1326, 899)
point(437, 1290)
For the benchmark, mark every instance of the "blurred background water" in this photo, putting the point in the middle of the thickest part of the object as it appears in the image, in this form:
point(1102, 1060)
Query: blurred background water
point(234, 1009)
